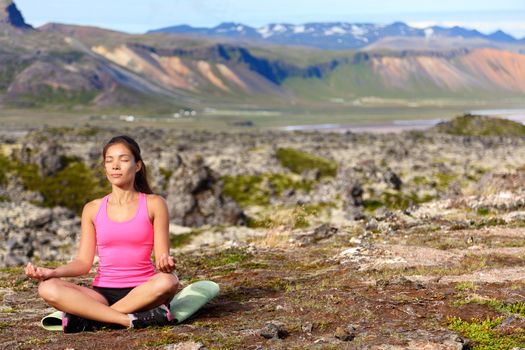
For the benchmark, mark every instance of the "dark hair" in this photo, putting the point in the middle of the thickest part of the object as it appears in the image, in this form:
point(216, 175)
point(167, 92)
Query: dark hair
point(141, 178)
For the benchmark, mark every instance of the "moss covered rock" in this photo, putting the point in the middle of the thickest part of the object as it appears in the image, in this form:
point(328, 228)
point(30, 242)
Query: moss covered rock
point(299, 162)
point(476, 125)
point(259, 189)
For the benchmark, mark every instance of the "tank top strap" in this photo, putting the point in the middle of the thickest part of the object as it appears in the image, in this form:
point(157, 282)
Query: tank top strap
point(102, 210)
point(143, 207)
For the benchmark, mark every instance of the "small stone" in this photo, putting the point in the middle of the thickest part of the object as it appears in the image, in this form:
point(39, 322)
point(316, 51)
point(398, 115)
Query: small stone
point(273, 330)
point(355, 240)
point(455, 342)
point(347, 333)
point(307, 327)
point(189, 345)
point(371, 225)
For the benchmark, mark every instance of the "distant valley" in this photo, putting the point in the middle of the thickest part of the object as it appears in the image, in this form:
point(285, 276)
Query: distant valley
point(82, 68)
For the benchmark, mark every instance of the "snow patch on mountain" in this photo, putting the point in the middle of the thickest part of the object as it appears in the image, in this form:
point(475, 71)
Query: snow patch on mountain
point(335, 30)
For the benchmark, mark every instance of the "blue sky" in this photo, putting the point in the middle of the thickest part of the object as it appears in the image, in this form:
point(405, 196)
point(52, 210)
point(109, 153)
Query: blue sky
point(138, 16)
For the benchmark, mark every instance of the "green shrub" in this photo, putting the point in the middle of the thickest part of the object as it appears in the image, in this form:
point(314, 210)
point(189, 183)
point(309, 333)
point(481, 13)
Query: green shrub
point(299, 161)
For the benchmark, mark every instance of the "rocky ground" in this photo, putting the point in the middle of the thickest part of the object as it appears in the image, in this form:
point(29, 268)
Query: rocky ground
point(362, 271)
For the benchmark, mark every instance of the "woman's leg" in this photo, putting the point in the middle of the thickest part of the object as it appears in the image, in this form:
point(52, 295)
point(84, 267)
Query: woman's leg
point(80, 301)
point(158, 290)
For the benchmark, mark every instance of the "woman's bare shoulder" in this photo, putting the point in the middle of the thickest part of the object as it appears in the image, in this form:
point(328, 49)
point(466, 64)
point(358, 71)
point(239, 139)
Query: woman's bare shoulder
point(156, 200)
point(91, 207)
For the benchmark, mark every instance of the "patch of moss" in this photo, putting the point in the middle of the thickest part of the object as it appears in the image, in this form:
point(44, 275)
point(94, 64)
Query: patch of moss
point(299, 162)
point(465, 286)
point(8, 310)
point(180, 240)
point(372, 204)
point(277, 216)
point(29, 175)
point(35, 341)
point(490, 222)
point(227, 257)
point(72, 187)
point(482, 333)
point(476, 125)
point(517, 308)
point(322, 326)
point(166, 174)
point(420, 180)
point(483, 211)
point(212, 340)
point(316, 208)
point(4, 325)
point(444, 180)
point(396, 200)
point(47, 95)
point(252, 265)
point(5, 167)
point(249, 190)
point(164, 339)
point(12, 270)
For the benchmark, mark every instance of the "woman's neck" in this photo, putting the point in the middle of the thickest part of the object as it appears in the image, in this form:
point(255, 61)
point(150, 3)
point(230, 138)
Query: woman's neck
point(122, 196)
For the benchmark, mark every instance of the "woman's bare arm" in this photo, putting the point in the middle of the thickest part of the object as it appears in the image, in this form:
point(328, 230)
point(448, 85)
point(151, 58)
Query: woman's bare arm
point(161, 242)
point(85, 254)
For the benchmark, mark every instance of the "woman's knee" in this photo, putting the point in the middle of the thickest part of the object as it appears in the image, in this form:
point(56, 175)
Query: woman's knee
point(49, 290)
point(166, 283)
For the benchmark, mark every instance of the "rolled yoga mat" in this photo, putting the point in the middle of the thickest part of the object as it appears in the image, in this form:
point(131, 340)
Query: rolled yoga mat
point(183, 305)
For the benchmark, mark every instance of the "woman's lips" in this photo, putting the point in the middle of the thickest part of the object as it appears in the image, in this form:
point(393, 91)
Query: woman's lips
point(116, 175)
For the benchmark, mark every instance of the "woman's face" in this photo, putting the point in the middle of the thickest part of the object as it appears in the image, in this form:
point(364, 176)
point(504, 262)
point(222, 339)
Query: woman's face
point(120, 165)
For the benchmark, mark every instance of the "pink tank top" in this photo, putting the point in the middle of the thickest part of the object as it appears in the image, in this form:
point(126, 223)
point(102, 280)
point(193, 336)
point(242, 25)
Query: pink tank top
point(124, 248)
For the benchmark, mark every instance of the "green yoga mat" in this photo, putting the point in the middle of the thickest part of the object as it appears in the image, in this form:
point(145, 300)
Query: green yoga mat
point(184, 304)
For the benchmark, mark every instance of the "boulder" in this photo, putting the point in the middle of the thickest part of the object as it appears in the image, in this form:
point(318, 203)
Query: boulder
point(194, 196)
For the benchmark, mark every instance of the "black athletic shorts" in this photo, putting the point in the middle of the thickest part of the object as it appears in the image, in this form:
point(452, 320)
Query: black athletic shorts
point(113, 295)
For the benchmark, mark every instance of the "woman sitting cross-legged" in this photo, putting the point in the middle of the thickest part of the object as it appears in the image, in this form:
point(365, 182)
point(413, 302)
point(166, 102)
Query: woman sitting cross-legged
point(123, 228)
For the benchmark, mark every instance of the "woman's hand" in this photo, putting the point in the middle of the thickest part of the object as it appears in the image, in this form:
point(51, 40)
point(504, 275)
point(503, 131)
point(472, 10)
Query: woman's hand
point(165, 263)
point(39, 273)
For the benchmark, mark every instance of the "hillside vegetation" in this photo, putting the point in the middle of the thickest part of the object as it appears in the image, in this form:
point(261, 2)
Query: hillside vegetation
point(476, 125)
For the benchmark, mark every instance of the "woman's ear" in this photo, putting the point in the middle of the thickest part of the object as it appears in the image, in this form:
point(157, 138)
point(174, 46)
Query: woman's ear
point(139, 166)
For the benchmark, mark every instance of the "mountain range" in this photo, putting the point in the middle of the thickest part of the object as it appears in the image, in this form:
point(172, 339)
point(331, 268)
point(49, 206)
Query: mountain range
point(337, 35)
point(71, 67)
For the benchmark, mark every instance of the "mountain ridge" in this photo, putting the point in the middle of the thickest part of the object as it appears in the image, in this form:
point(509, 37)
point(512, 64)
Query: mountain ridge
point(72, 66)
point(334, 35)
point(11, 17)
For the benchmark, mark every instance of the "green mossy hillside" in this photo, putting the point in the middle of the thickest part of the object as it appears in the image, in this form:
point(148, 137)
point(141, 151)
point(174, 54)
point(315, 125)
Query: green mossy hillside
point(47, 96)
point(476, 125)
